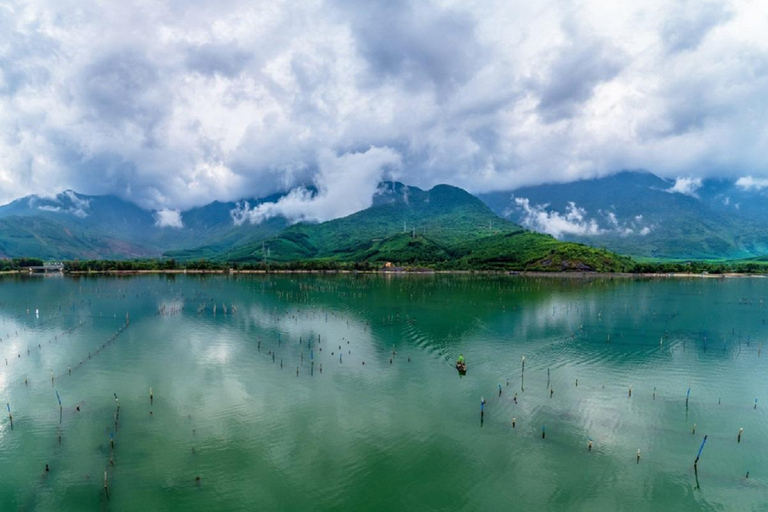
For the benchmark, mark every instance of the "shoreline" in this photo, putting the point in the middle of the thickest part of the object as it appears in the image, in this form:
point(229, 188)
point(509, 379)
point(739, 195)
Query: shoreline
point(512, 273)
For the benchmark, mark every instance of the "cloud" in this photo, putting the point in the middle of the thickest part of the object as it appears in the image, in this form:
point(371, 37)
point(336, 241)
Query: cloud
point(572, 222)
point(175, 104)
point(686, 186)
point(575, 220)
point(168, 219)
point(577, 68)
point(690, 21)
point(345, 184)
point(66, 202)
point(750, 183)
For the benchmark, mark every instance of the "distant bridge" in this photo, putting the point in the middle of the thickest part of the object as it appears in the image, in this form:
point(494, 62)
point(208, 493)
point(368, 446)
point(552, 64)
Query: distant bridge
point(48, 268)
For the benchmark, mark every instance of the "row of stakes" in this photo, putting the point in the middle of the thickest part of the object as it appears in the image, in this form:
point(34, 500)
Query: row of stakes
point(82, 361)
point(61, 407)
point(482, 406)
point(69, 371)
point(590, 443)
point(111, 434)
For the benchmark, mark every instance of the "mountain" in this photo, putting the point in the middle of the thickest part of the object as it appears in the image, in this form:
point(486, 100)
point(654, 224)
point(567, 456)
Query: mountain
point(445, 215)
point(72, 225)
point(445, 227)
point(44, 238)
point(406, 225)
point(641, 214)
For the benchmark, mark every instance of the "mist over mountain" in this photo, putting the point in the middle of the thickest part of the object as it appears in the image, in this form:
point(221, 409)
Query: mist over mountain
point(71, 225)
point(641, 214)
point(632, 212)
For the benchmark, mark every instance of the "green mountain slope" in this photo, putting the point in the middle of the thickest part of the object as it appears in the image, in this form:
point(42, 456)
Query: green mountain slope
point(44, 238)
point(637, 213)
point(444, 215)
point(524, 250)
point(445, 227)
point(109, 227)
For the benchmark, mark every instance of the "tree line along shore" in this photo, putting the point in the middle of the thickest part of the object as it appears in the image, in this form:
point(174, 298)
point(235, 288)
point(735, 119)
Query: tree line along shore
point(20, 265)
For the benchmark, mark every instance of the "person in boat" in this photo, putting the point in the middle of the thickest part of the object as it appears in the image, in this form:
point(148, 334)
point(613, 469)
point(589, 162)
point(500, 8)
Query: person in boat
point(461, 359)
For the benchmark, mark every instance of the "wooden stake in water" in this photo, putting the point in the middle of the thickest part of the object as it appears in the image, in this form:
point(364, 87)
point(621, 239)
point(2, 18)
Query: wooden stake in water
point(687, 395)
point(630, 391)
point(738, 439)
point(106, 487)
point(589, 446)
point(543, 432)
point(60, 408)
point(151, 397)
point(638, 455)
point(696, 462)
point(10, 416)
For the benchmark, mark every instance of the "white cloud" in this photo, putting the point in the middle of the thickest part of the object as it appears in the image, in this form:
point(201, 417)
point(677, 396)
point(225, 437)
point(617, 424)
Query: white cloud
point(168, 219)
point(750, 183)
point(66, 202)
point(345, 184)
point(174, 104)
point(686, 186)
point(573, 222)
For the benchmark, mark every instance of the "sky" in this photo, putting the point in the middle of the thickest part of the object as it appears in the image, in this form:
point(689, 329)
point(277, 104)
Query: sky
point(173, 104)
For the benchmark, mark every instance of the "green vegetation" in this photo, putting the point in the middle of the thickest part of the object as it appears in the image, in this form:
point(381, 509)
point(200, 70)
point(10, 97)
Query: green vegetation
point(442, 216)
point(720, 221)
point(443, 228)
point(530, 253)
point(139, 265)
point(46, 238)
point(533, 251)
point(9, 265)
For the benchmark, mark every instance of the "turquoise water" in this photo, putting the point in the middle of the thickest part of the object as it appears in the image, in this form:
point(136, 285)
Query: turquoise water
point(399, 435)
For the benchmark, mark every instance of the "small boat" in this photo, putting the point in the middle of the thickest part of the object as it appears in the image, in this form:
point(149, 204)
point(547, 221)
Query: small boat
point(462, 367)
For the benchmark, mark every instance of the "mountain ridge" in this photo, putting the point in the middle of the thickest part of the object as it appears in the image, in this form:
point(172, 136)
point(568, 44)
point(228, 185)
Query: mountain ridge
point(629, 212)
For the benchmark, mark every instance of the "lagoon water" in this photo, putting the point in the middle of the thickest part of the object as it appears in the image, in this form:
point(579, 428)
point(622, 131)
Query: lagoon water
point(405, 435)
